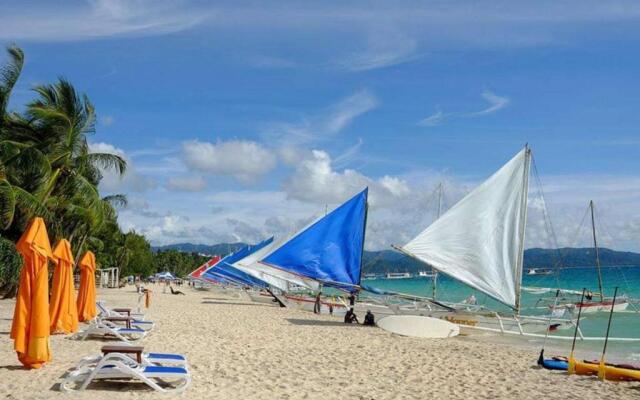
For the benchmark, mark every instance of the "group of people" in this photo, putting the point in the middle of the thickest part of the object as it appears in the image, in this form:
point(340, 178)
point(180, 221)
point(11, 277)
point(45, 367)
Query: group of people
point(350, 317)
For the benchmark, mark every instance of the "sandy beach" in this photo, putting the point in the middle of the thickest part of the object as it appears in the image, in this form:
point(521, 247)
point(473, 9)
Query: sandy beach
point(239, 349)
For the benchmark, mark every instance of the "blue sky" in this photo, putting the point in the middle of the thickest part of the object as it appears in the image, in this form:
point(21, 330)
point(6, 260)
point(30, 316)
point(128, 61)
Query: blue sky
point(241, 120)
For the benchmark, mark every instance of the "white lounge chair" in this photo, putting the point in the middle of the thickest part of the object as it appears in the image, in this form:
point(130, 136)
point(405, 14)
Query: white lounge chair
point(161, 359)
point(105, 312)
point(100, 327)
point(120, 366)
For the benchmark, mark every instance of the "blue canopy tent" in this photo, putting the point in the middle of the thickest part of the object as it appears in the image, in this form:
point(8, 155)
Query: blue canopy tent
point(329, 250)
point(225, 270)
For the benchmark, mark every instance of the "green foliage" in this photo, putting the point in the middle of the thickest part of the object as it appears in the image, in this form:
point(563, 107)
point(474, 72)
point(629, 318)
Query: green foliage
point(140, 261)
point(178, 263)
point(47, 170)
point(10, 264)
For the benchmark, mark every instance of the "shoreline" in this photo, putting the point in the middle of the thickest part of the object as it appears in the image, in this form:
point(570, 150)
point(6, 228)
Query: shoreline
point(239, 349)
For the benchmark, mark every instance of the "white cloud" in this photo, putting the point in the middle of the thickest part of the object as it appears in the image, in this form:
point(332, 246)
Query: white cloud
point(186, 184)
point(434, 119)
point(96, 19)
point(315, 180)
point(496, 103)
point(132, 181)
point(383, 49)
point(241, 159)
point(324, 125)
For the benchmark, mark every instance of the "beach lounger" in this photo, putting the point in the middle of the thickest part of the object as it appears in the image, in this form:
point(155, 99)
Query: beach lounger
point(105, 328)
point(162, 359)
point(106, 314)
point(120, 366)
point(107, 311)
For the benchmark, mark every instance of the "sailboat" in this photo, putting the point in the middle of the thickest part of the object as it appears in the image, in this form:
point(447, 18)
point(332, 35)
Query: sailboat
point(325, 253)
point(480, 242)
point(600, 303)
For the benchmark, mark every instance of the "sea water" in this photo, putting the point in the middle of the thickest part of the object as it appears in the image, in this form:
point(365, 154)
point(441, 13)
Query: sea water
point(624, 324)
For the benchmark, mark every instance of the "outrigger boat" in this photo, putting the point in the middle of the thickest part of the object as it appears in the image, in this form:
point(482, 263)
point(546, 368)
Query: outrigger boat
point(480, 242)
point(596, 302)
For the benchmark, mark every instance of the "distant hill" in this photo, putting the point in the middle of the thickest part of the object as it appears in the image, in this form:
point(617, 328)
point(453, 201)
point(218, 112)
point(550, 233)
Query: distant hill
point(391, 261)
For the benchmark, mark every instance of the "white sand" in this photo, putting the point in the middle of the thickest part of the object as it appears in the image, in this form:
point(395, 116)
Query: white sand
point(243, 350)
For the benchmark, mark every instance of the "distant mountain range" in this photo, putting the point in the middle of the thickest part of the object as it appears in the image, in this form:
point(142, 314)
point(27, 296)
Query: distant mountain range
point(391, 261)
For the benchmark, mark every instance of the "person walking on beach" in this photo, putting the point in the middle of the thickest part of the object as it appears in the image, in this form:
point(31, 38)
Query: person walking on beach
point(318, 304)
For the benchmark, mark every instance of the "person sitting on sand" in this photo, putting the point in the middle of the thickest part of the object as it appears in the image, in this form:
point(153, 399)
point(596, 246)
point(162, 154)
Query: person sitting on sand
point(369, 319)
point(350, 317)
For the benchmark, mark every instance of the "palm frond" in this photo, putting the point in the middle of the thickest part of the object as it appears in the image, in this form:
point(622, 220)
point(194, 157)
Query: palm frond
point(117, 200)
point(9, 75)
point(105, 161)
point(7, 204)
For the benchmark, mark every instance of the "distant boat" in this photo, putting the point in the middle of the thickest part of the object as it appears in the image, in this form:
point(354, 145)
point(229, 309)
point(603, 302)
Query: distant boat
point(367, 277)
point(398, 275)
point(539, 271)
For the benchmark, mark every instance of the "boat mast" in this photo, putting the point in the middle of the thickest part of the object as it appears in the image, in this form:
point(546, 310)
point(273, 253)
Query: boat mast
point(595, 246)
point(525, 194)
point(364, 232)
point(434, 273)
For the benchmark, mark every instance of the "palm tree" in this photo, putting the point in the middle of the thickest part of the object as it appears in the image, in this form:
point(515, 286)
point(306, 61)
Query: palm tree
point(22, 168)
point(47, 168)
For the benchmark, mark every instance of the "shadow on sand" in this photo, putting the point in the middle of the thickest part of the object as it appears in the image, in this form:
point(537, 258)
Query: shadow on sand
point(12, 367)
point(314, 322)
point(233, 303)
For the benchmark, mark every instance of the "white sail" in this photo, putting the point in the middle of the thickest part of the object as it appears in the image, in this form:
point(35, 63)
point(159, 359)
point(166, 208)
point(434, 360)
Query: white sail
point(275, 277)
point(479, 241)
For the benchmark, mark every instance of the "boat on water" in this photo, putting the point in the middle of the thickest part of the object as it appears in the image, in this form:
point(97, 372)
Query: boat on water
point(539, 271)
point(398, 275)
point(596, 302)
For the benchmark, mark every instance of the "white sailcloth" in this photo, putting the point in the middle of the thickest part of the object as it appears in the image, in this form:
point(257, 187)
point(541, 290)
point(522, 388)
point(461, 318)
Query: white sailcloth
point(275, 277)
point(479, 241)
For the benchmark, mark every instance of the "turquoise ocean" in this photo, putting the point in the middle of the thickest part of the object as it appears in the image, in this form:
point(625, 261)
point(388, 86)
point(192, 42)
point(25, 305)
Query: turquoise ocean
point(624, 324)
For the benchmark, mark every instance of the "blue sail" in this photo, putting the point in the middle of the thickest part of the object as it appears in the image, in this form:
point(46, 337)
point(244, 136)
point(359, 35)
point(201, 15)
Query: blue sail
point(330, 250)
point(224, 269)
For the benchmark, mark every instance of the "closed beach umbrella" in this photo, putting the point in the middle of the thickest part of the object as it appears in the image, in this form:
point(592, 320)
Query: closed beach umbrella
point(62, 306)
point(87, 292)
point(30, 326)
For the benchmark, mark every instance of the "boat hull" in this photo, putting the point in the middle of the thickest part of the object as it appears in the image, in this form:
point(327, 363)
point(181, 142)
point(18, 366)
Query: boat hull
point(307, 303)
point(610, 372)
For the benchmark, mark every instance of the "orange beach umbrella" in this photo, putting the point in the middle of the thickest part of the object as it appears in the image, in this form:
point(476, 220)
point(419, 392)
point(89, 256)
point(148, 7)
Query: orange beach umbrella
point(30, 326)
point(87, 292)
point(62, 307)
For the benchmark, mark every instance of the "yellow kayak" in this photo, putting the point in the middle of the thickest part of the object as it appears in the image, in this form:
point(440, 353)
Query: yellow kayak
point(610, 372)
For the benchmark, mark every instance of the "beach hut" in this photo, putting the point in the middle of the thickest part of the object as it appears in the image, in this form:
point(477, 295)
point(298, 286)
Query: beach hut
point(30, 326)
